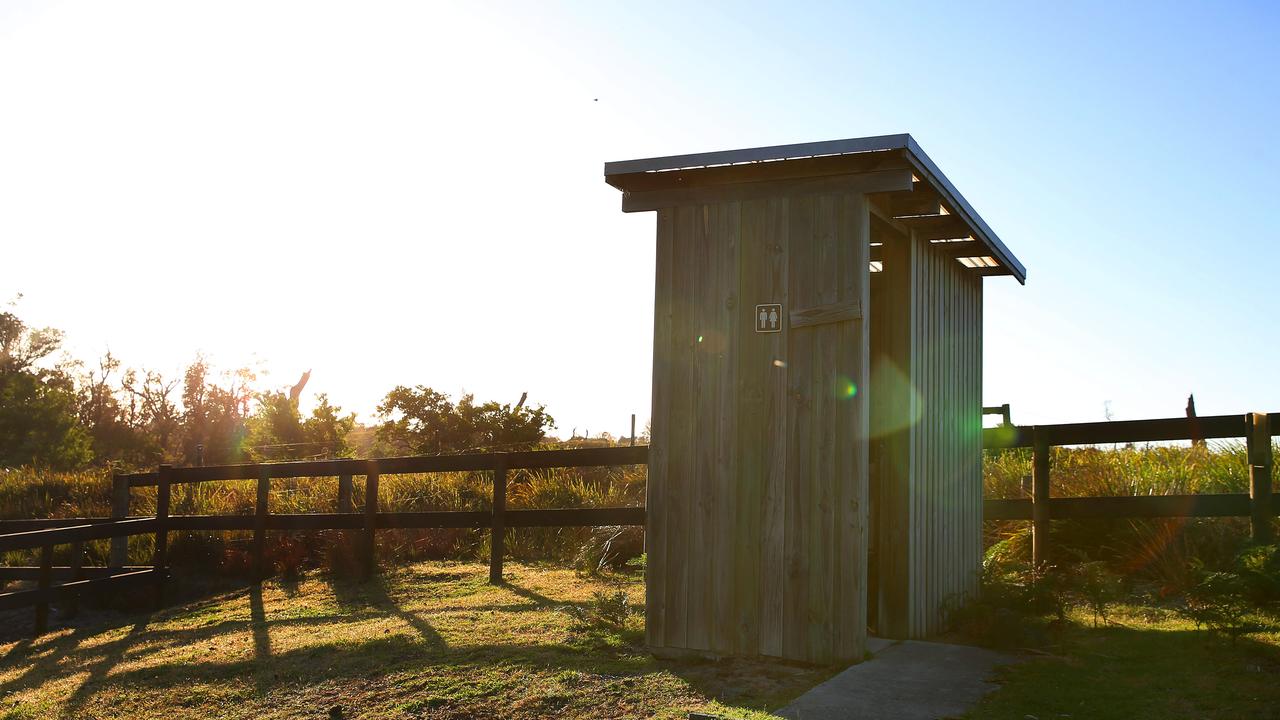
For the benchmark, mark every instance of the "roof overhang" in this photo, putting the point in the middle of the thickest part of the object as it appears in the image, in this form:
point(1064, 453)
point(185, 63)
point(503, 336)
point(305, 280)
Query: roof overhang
point(910, 189)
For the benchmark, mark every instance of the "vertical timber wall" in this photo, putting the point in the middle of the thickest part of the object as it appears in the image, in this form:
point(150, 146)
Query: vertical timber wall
point(927, 398)
point(757, 533)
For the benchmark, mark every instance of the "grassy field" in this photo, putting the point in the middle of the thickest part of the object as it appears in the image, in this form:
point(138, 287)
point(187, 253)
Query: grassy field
point(1143, 665)
point(434, 640)
point(431, 640)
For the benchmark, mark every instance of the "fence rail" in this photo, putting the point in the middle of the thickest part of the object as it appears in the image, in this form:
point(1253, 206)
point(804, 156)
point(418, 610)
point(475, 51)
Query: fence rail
point(45, 539)
point(45, 533)
point(1040, 508)
point(1256, 428)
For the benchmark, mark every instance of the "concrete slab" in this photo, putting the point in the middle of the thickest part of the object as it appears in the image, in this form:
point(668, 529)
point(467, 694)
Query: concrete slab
point(905, 681)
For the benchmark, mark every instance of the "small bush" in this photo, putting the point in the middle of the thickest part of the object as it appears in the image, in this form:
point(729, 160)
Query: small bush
point(610, 548)
point(1099, 587)
point(612, 609)
point(1220, 603)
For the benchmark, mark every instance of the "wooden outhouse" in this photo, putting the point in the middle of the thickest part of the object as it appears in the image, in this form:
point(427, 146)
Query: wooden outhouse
point(816, 453)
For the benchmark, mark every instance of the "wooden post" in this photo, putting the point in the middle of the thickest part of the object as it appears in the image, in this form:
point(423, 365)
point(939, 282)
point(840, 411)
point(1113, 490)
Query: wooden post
point(162, 531)
point(370, 520)
point(1258, 440)
point(497, 544)
point(633, 429)
point(119, 556)
point(260, 524)
point(346, 503)
point(77, 573)
point(44, 581)
point(340, 554)
point(1039, 499)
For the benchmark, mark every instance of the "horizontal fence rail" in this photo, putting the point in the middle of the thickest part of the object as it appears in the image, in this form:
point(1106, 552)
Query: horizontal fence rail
point(45, 533)
point(1040, 508)
point(1257, 429)
point(1209, 427)
point(527, 460)
point(77, 577)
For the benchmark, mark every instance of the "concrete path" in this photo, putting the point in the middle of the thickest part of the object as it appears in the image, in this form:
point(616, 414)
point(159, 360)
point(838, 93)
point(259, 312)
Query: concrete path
point(903, 681)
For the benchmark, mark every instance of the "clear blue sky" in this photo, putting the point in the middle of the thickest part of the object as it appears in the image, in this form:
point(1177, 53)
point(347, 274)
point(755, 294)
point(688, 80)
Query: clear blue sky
point(384, 170)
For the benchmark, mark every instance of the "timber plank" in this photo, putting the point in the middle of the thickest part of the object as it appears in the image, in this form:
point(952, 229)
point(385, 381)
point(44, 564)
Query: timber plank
point(800, 427)
point(777, 402)
point(753, 370)
point(679, 468)
point(659, 437)
point(705, 396)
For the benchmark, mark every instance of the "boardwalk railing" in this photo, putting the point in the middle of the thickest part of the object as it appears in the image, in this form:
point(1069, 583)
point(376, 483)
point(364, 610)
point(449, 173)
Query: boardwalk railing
point(44, 533)
point(79, 582)
point(1256, 428)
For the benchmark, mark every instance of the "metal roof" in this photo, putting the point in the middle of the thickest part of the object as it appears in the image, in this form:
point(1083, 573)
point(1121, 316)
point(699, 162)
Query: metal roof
point(923, 167)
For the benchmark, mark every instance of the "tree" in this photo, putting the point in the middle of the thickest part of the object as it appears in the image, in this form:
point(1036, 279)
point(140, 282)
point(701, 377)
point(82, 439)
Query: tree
point(422, 420)
point(213, 414)
point(38, 421)
point(154, 412)
point(112, 417)
point(277, 430)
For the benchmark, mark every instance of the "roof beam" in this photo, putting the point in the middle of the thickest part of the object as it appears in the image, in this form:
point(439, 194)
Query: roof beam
point(761, 171)
point(860, 183)
point(989, 271)
point(922, 200)
point(952, 250)
point(937, 227)
point(964, 248)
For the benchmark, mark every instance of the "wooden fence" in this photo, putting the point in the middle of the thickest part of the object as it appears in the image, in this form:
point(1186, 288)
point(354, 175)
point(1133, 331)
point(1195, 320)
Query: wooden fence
point(1256, 428)
point(79, 581)
point(45, 533)
point(1040, 509)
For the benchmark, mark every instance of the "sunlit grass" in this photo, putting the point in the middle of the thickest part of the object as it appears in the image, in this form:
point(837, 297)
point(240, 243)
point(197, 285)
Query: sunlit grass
point(428, 640)
point(1141, 666)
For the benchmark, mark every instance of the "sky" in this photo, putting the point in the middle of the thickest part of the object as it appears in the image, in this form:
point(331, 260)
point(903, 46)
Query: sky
point(412, 193)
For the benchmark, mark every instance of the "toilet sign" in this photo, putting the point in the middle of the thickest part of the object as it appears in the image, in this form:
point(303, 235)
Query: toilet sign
point(769, 318)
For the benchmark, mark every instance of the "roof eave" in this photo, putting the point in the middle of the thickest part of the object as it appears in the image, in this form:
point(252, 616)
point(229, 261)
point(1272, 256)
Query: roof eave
point(926, 167)
point(920, 161)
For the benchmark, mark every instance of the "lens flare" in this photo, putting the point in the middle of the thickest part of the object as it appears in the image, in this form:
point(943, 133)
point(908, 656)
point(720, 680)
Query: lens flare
point(845, 389)
point(699, 338)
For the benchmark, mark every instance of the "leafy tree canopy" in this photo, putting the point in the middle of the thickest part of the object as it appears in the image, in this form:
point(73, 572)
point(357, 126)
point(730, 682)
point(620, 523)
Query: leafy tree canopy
point(277, 430)
point(38, 421)
point(422, 420)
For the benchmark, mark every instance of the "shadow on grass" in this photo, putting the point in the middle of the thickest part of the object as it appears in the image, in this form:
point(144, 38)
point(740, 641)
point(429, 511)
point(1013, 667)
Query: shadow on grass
point(1130, 672)
point(405, 663)
point(374, 594)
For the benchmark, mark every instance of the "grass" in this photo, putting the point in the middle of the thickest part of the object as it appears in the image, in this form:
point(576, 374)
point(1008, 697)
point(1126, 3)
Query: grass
point(1162, 552)
point(431, 639)
point(1145, 664)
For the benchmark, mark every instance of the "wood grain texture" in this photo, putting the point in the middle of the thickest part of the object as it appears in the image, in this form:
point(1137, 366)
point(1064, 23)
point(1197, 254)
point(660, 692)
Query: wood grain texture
point(680, 475)
point(655, 536)
point(759, 547)
point(946, 470)
point(832, 312)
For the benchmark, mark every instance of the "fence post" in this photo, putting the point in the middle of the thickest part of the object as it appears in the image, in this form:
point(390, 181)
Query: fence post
point(497, 544)
point(1039, 498)
point(346, 503)
point(43, 582)
point(1258, 441)
point(370, 521)
point(119, 511)
point(260, 524)
point(77, 573)
point(162, 531)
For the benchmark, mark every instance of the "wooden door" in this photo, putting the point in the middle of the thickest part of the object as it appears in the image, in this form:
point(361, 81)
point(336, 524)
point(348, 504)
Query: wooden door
point(757, 530)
